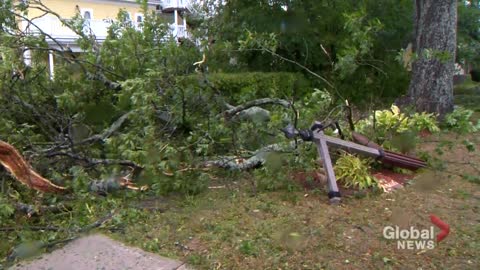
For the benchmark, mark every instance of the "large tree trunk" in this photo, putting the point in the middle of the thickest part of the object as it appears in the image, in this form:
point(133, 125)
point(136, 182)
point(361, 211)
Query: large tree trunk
point(431, 86)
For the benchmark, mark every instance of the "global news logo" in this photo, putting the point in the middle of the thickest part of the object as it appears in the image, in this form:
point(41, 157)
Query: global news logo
point(413, 238)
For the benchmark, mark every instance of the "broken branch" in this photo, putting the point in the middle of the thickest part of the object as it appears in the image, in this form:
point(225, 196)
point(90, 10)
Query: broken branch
point(11, 159)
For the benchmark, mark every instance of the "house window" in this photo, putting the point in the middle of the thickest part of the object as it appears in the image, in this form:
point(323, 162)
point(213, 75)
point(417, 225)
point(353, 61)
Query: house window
point(87, 13)
point(139, 20)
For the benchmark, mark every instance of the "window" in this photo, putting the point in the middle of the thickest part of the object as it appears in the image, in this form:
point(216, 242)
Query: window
point(138, 20)
point(87, 13)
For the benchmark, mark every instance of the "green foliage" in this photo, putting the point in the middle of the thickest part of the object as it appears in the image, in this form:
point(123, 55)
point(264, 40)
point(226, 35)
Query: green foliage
point(350, 43)
point(354, 172)
point(242, 87)
point(459, 121)
point(468, 35)
point(388, 123)
point(359, 45)
point(6, 209)
point(424, 121)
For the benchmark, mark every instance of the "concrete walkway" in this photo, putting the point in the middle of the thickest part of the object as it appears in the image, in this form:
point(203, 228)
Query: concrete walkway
point(102, 253)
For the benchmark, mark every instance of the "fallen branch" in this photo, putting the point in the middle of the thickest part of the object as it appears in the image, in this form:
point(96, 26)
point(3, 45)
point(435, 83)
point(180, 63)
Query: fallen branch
point(255, 103)
point(32, 210)
point(257, 159)
point(103, 187)
point(236, 163)
point(11, 159)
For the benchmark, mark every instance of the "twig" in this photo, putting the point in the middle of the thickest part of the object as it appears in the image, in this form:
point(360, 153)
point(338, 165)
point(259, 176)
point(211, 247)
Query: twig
point(299, 65)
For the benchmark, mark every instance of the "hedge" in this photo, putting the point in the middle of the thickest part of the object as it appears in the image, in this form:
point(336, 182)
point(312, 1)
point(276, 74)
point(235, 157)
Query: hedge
point(241, 87)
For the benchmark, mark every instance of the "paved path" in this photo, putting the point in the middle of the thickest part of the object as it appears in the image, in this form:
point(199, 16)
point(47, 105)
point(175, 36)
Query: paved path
point(99, 252)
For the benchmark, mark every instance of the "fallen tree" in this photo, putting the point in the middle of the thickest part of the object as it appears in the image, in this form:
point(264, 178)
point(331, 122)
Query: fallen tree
point(257, 159)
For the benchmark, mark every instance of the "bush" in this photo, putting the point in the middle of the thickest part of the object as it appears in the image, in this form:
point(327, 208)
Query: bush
point(459, 121)
point(241, 87)
point(354, 172)
point(393, 122)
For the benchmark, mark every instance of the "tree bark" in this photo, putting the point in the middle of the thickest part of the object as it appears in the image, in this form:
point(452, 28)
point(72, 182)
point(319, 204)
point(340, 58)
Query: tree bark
point(431, 85)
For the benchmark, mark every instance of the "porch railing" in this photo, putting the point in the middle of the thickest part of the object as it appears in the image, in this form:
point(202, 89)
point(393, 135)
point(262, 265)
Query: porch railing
point(54, 28)
point(171, 4)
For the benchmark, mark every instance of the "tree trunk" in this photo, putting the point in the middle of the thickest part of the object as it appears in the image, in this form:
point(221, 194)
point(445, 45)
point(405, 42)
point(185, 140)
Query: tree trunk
point(431, 85)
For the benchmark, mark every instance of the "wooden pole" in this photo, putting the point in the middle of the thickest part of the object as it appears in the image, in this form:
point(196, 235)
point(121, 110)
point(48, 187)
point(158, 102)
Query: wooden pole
point(322, 149)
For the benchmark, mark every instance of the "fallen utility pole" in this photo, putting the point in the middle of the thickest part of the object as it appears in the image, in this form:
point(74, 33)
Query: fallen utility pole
point(322, 141)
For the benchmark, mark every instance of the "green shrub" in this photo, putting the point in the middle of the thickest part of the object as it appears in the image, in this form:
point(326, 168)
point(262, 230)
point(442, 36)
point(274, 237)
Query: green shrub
point(354, 172)
point(423, 121)
point(459, 121)
point(393, 122)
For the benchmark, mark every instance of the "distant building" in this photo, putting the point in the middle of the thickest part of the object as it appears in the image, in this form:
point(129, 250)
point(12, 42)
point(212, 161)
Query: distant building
point(99, 14)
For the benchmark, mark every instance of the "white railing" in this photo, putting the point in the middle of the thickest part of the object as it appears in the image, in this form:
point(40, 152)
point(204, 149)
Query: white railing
point(178, 31)
point(169, 4)
point(54, 28)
